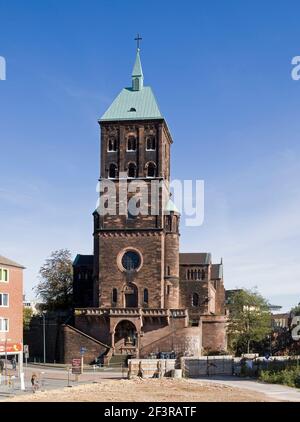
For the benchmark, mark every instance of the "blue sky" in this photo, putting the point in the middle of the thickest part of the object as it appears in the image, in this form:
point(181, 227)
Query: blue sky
point(222, 74)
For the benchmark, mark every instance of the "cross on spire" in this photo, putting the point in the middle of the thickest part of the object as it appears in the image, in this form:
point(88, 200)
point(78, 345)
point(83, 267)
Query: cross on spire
point(138, 39)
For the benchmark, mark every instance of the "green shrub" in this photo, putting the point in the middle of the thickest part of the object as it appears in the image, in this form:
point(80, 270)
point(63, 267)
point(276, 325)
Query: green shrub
point(290, 377)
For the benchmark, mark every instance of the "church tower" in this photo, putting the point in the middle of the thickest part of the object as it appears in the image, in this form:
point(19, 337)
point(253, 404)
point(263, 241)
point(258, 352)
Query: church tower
point(136, 295)
point(137, 251)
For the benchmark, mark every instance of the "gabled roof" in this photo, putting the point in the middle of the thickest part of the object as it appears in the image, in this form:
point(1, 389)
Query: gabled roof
point(133, 105)
point(9, 262)
point(194, 258)
point(84, 261)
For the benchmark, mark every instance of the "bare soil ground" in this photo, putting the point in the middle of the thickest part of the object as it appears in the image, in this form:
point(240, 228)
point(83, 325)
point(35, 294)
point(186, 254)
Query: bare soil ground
point(145, 390)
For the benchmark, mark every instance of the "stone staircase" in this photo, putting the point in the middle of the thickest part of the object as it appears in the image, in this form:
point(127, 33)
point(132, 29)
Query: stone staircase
point(118, 360)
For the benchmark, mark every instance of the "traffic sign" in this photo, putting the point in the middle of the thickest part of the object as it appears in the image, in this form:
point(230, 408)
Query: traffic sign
point(76, 366)
point(83, 350)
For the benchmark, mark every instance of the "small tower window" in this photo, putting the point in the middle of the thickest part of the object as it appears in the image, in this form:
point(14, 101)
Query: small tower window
point(188, 274)
point(195, 299)
point(132, 170)
point(113, 171)
point(136, 84)
point(132, 109)
point(203, 275)
point(151, 170)
point(114, 296)
point(112, 145)
point(168, 270)
point(146, 296)
point(150, 143)
point(131, 144)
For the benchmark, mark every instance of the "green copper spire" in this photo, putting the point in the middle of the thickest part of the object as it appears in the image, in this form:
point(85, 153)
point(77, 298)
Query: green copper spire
point(137, 73)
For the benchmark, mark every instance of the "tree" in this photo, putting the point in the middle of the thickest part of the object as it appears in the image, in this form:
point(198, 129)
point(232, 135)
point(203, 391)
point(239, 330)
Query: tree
point(249, 320)
point(55, 285)
point(296, 310)
point(27, 316)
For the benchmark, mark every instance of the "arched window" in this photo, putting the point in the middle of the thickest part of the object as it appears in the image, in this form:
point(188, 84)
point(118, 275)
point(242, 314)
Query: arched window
point(131, 170)
point(192, 275)
point(195, 299)
point(168, 270)
point(195, 274)
point(150, 143)
point(114, 296)
point(151, 170)
point(146, 296)
point(203, 275)
point(199, 275)
point(188, 274)
point(112, 144)
point(113, 171)
point(131, 143)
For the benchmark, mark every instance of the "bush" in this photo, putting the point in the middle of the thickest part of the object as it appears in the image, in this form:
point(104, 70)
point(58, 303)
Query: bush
point(290, 377)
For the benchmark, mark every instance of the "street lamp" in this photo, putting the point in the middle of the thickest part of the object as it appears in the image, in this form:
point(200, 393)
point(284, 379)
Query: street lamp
point(44, 334)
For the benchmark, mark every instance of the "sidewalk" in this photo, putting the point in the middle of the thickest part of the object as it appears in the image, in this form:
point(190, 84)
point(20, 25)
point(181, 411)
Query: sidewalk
point(275, 391)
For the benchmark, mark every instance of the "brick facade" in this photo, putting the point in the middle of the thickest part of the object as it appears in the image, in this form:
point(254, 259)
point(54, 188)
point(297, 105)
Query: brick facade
point(168, 300)
point(12, 311)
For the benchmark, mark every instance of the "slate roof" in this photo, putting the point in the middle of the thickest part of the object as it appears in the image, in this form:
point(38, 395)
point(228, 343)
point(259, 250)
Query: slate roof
point(9, 262)
point(84, 261)
point(194, 258)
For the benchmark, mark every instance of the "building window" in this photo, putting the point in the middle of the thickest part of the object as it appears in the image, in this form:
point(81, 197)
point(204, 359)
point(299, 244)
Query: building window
point(130, 216)
point(4, 325)
point(114, 296)
point(168, 270)
point(113, 171)
point(203, 275)
point(150, 143)
point(131, 170)
point(146, 296)
point(151, 169)
point(112, 145)
point(131, 143)
point(188, 274)
point(131, 261)
point(4, 300)
point(168, 289)
point(4, 275)
point(136, 84)
point(195, 299)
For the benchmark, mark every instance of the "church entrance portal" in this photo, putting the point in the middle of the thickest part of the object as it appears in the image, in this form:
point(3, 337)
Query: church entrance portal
point(125, 336)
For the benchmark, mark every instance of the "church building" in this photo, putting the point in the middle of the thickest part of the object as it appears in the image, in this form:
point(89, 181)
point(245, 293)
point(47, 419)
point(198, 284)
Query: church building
point(137, 295)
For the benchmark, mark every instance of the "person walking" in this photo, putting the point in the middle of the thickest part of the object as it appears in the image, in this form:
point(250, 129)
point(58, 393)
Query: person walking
point(34, 383)
point(14, 363)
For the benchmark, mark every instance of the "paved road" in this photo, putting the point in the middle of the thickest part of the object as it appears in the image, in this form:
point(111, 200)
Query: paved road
point(53, 378)
point(274, 391)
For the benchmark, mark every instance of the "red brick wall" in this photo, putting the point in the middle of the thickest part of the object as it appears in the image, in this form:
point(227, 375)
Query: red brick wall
point(150, 276)
point(14, 312)
point(214, 333)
